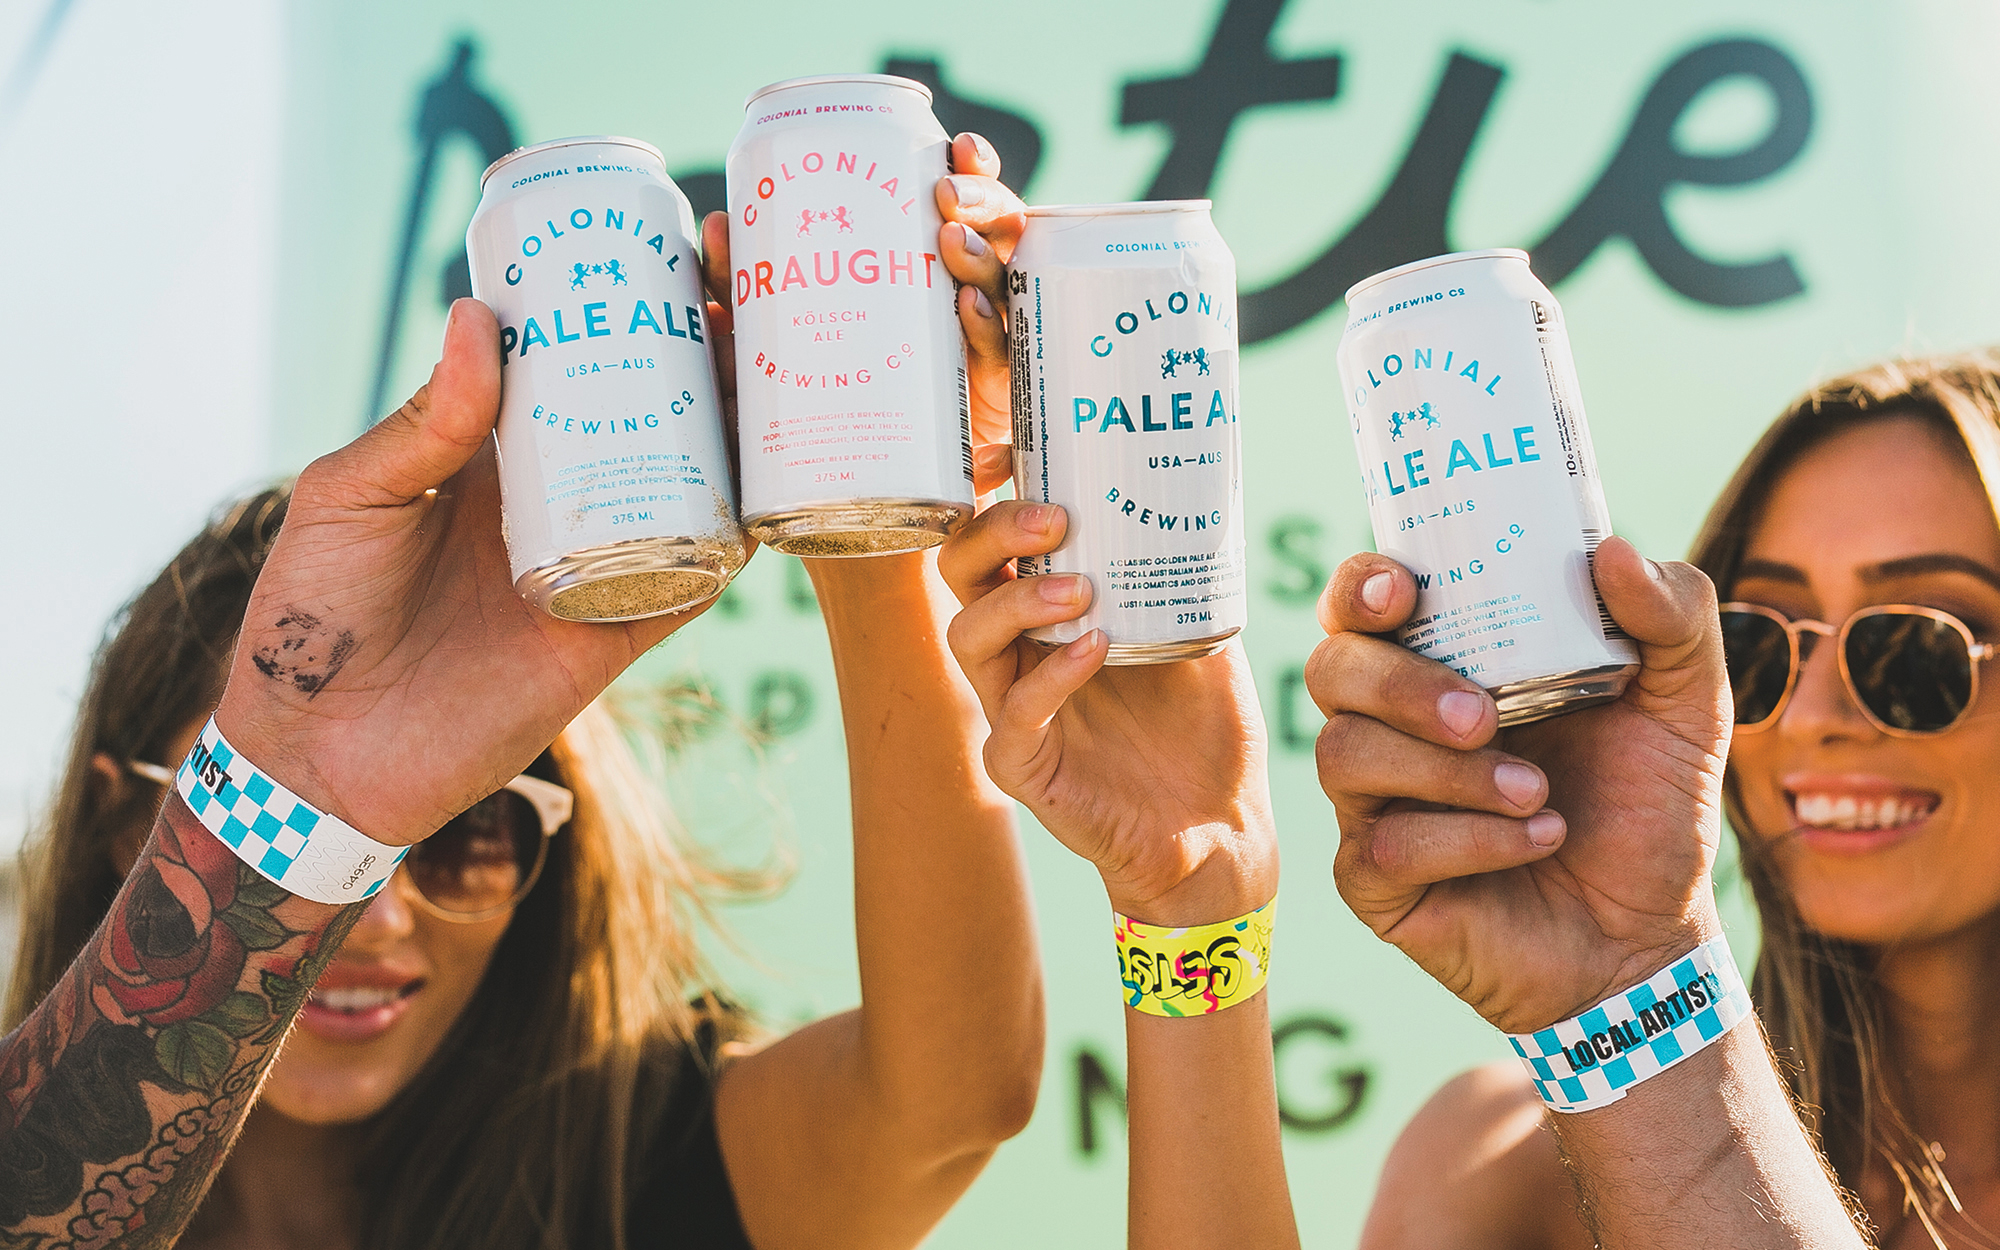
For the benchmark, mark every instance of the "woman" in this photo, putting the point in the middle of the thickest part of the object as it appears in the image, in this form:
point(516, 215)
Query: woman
point(511, 1046)
point(1858, 556)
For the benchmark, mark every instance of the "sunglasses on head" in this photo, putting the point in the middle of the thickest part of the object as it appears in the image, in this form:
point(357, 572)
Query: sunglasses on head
point(485, 859)
point(1911, 670)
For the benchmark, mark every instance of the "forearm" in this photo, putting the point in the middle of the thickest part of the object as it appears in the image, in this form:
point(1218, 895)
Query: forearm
point(1707, 1154)
point(1207, 1169)
point(942, 901)
point(125, 1087)
point(1201, 1091)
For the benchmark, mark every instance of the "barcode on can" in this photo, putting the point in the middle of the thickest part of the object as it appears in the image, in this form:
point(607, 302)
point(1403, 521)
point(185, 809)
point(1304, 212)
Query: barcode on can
point(964, 424)
point(1591, 540)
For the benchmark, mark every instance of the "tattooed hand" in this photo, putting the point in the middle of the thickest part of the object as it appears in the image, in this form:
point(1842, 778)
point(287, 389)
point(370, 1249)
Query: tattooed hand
point(387, 670)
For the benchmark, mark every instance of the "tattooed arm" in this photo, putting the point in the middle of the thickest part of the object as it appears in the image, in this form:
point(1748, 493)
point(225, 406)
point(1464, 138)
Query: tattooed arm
point(126, 1086)
point(387, 672)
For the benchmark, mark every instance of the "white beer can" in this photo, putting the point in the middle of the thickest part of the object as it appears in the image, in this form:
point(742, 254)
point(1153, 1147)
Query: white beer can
point(850, 368)
point(614, 477)
point(1123, 326)
point(1468, 420)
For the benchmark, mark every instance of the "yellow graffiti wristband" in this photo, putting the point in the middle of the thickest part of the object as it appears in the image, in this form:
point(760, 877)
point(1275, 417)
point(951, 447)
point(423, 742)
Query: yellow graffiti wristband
point(1194, 971)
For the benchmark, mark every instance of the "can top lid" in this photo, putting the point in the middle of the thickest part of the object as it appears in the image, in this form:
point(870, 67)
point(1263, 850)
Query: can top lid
point(1450, 258)
point(572, 141)
point(1131, 208)
point(819, 80)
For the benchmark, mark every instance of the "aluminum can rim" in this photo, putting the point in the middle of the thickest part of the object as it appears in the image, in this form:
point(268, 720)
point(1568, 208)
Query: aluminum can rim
point(1449, 258)
point(572, 141)
point(816, 80)
point(1126, 208)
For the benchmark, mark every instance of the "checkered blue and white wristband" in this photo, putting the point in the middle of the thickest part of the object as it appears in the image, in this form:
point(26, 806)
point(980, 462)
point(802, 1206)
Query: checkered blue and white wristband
point(1591, 1060)
point(305, 850)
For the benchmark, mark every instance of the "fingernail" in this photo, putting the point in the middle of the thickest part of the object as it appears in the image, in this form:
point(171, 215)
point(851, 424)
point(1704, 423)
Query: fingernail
point(1545, 828)
point(975, 244)
point(980, 302)
point(1376, 590)
point(1517, 783)
point(1084, 645)
point(1461, 710)
point(1061, 588)
point(986, 152)
point(1036, 518)
point(1654, 571)
point(967, 190)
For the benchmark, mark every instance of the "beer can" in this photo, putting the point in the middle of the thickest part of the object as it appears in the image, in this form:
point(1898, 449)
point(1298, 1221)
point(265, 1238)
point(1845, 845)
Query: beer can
point(1475, 456)
point(1123, 328)
point(614, 476)
point(852, 423)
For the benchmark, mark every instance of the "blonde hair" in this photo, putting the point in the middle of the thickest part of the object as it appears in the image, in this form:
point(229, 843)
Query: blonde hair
point(1817, 995)
point(527, 1126)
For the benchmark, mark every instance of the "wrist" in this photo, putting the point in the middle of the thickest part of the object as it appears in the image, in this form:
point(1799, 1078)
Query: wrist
point(1237, 874)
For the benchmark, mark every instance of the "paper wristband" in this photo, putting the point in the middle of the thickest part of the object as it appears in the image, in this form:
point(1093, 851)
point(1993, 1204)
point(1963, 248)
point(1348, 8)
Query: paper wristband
point(1196, 971)
point(305, 850)
point(1591, 1060)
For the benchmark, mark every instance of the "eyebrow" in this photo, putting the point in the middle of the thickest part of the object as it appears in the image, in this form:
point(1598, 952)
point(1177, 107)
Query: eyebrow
point(1772, 570)
point(1934, 562)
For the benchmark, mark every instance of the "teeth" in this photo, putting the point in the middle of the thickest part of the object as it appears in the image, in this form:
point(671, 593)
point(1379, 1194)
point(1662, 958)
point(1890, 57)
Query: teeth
point(1845, 812)
point(357, 998)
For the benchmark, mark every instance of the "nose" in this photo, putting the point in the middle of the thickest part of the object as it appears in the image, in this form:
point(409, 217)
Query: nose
point(1821, 710)
point(389, 918)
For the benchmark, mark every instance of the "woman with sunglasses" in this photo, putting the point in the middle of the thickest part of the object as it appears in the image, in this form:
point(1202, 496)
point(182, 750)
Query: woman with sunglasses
point(511, 1044)
point(1857, 555)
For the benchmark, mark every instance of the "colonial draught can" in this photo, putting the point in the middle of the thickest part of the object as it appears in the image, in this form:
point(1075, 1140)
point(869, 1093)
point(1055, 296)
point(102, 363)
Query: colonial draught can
point(850, 369)
point(1124, 373)
point(1462, 395)
point(613, 473)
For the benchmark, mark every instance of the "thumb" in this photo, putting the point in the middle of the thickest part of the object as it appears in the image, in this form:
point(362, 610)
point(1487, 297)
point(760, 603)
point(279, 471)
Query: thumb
point(420, 445)
point(1668, 609)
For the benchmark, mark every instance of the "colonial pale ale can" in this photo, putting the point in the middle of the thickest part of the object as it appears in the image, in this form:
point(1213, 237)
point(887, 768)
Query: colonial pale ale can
point(1123, 323)
point(1462, 395)
point(850, 369)
point(613, 471)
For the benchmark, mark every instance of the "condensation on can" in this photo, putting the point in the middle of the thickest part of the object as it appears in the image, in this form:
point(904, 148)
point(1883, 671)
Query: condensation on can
point(614, 476)
point(1123, 333)
point(1475, 456)
point(853, 424)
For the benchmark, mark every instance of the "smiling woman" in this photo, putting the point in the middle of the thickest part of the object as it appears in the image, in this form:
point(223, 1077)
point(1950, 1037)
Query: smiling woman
point(1862, 780)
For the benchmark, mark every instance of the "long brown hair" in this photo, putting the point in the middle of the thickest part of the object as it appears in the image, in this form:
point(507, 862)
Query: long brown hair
point(1817, 995)
point(527, 1125)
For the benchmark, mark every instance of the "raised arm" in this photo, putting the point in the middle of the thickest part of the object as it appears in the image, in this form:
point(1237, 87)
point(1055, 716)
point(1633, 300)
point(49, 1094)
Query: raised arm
point(1157, 776)
point(368, 679)
point(863, 1129)
point(1540, 872)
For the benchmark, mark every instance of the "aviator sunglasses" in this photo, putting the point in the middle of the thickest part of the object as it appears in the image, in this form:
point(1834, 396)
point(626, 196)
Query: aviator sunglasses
point(1911, 670)
point(485, 859)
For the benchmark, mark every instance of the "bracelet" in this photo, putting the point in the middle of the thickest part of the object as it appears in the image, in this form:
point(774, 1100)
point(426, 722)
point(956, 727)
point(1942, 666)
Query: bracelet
point(1591, 1060)
point(1193, 971)
point(294, 844)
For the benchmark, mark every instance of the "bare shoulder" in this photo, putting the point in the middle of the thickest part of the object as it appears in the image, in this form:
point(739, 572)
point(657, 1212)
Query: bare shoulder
point(1475, 1169)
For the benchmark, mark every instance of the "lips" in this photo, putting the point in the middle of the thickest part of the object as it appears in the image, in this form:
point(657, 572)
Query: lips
point(358, 1005)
